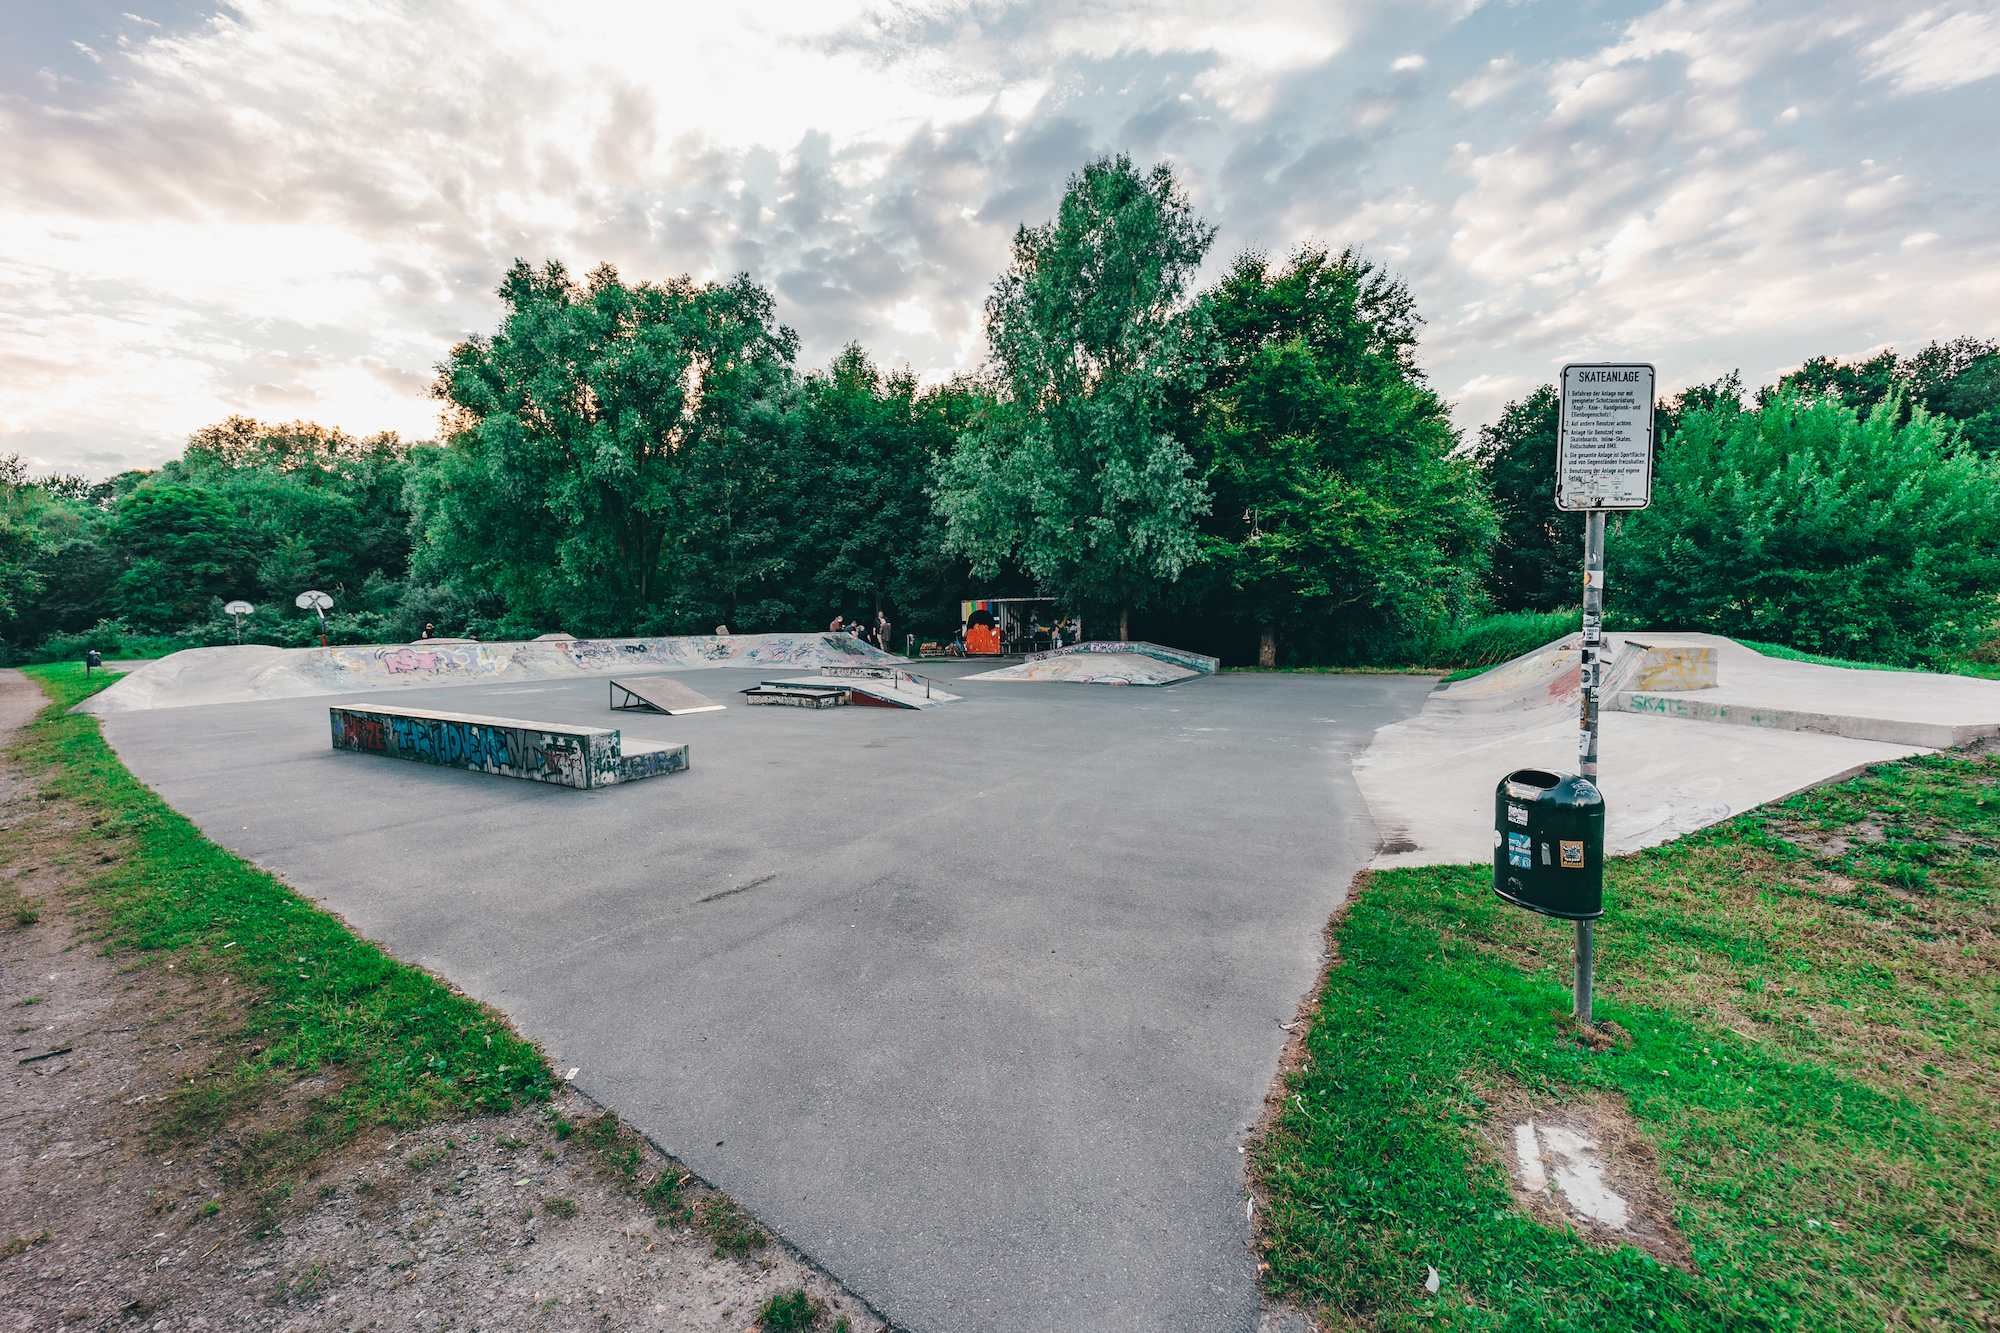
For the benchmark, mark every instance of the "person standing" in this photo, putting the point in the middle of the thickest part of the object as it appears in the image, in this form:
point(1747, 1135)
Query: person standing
point(839, 623)
point(884, 631)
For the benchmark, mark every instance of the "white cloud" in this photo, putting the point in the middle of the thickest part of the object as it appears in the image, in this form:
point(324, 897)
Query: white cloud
point(1935, 50)
point(296, 206)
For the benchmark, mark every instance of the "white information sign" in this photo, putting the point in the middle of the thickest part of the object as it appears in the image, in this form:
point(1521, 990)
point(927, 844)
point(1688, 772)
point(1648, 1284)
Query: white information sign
point(1604, 449)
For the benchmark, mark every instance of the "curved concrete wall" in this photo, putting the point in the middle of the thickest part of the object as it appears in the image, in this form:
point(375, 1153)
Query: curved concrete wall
point(253, 671)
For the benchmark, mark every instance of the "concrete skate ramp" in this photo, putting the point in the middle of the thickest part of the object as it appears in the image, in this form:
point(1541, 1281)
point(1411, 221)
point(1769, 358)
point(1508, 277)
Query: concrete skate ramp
point(236, 674)
point(1552, 675)
point(1752, 729)
point(889, 686)
point(1896, 707)
point(1108, 662)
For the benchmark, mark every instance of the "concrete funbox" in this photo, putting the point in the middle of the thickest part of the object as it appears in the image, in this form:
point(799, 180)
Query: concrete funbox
point(568, 756)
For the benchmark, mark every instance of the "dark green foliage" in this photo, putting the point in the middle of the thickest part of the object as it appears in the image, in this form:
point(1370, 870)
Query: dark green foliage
point(1803, 524)
point(1861, 385)
point(254, 511)
point(859, 530)
point(78, 580)
point(1489, 640)
point(1958, 381)
point(662, 1194)
point(1073, 472)
point(610, 472)
point(1722, 395)
point(183, 546)
point(1539, 554)
point(1342, 523)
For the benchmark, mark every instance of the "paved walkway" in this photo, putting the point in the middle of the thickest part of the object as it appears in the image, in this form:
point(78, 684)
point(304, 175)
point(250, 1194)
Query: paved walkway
point(973, 1005)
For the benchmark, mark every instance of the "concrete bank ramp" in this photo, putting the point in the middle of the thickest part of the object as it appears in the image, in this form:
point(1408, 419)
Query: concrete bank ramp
point(236, 674)
point(1108, 662)
point(1695, 728)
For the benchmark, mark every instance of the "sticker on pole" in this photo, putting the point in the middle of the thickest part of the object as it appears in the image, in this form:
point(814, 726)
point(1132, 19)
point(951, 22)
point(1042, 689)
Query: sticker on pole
point(1604, 448)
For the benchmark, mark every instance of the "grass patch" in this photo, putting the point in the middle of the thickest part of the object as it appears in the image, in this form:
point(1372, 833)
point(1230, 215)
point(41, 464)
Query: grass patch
point(719, 1218)
point(289, 990)
point(790, 1310)
point(1779, 650)
point(1811, 993)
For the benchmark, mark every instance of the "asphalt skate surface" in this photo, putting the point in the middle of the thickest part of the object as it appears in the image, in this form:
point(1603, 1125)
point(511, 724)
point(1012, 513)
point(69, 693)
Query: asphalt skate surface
point(973, 1005)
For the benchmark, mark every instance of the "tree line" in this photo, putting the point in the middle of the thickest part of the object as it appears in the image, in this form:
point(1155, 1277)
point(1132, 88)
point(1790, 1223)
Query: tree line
point(1258, 469)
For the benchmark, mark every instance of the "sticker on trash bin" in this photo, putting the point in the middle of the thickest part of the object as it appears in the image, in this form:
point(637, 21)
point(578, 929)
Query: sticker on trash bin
point(1572, 855)
point(1520, 851)
point(1517, 814)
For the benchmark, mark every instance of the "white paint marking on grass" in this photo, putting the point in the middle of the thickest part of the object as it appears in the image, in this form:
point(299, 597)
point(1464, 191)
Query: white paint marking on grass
point(1530, 1156)
point(1577, 1169)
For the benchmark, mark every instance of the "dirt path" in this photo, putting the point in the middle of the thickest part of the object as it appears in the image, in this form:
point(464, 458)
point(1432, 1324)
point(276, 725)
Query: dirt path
point(511, 1221)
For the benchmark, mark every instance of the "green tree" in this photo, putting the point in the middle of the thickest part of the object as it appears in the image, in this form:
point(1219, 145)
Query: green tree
point(1538, 559)
point(1343, 522)
point(610, 466)
point(1539, 551)
point(1957, 380)
point(22, 543)
point(1073, 472)
point(1961, 380)
point(183, 546)
point(863, 535)
point(1801, 522)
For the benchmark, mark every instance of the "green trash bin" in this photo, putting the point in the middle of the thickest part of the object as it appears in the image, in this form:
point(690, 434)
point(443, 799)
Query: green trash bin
point(1548, 844)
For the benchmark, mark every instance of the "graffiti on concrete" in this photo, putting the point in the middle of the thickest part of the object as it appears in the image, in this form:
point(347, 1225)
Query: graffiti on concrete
point(432, 661)
point(575, 757)
point(1179, 657)
point(653, 763)
point(1675, 668)
point(405, 661)
point(353, 731)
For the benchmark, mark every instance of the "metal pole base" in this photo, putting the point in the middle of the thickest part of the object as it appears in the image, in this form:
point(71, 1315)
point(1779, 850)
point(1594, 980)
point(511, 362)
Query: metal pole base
point(1585, 943)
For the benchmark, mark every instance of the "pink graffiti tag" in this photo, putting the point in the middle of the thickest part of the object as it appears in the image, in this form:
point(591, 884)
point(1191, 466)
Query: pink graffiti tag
point(408, 659)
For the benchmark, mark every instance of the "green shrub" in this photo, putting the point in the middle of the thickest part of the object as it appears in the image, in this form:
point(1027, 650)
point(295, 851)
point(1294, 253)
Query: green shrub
point(1489, 640)
point(1801, 524)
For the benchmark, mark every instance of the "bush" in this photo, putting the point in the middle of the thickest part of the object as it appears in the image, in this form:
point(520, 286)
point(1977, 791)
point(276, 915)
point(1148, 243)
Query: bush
point(114, 638)
point(1798, 523)
point(1489, 640)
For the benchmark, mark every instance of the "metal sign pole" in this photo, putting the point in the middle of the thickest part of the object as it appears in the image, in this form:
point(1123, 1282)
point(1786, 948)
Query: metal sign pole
point(1586, 747)
point(1604, 461)
point(1593, 640)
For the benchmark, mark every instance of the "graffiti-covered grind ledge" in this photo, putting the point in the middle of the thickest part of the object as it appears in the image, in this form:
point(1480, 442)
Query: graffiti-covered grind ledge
point(583, 757)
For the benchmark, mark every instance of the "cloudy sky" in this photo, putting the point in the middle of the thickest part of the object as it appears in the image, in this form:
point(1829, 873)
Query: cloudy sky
point(292, 208)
